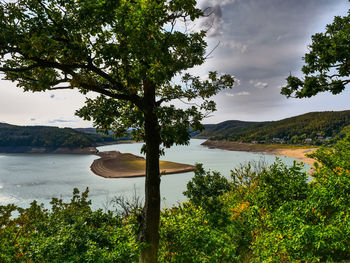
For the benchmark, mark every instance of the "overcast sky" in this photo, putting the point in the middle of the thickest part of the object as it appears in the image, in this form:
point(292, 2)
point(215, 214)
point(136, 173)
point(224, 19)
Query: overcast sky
point(260, 43)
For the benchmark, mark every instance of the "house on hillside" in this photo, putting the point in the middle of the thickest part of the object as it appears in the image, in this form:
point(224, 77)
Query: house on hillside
point(308, 140)
point(276, 139)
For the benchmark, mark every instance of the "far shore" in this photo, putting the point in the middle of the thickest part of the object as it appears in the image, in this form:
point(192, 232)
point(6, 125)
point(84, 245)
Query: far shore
point(114, 164)
point(297, 152)
point(47, 150)
point(59, 150)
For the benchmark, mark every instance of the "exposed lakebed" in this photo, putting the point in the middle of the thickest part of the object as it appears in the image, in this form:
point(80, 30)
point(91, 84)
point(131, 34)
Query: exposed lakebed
point(28, 177)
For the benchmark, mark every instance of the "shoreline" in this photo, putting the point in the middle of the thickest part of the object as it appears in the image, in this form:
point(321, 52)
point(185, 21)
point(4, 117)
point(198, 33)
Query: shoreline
point(297, 152)
point(114, 164)
point(90, 150)
point(47, 150)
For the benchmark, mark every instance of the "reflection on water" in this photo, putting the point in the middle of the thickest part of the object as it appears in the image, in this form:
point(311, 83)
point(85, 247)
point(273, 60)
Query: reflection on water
point(25, 177)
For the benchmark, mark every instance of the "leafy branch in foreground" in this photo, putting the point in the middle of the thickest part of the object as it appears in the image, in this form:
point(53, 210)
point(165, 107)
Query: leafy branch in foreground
point(128, 52)
point(327, 65)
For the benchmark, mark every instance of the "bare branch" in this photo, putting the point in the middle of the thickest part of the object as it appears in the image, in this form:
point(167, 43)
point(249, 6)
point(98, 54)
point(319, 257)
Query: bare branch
point(60, 88)
point(189, 103)
point(207, 56)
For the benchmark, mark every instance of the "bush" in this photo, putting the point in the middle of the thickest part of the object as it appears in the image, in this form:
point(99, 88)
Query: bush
point(70, 232)
point(204, 191)
point(187, 236)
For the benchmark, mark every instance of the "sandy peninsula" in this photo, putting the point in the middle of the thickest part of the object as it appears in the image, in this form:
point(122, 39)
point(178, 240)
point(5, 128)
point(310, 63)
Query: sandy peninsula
point(114, 164)
point(297, 152)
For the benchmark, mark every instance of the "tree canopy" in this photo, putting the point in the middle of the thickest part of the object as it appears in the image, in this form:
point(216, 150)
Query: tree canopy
point(115, 48)
point(127, 51)
point(327, 64)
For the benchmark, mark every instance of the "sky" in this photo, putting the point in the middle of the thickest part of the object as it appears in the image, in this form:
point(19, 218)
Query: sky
point(260, 42)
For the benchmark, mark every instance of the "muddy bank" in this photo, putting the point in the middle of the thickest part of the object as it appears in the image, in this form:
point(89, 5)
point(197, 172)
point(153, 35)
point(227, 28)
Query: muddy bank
point(297, 152)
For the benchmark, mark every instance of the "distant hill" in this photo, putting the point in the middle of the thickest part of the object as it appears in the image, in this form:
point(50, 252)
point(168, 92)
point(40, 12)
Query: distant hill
point(93, 131)
point(309, 128)
point(47, 137)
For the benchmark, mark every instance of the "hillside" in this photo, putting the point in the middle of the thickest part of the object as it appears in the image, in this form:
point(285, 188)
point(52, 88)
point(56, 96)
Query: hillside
point(309, 128)
point(26, 137)
point(108, 137)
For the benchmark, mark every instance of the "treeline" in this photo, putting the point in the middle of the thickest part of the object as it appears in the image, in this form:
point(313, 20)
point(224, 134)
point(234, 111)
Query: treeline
point(48, 137)
point(311, 128)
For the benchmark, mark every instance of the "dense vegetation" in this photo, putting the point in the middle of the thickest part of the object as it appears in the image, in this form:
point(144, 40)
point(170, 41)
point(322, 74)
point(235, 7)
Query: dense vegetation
point(48, 137)
point(263, 214)
point(313, 128)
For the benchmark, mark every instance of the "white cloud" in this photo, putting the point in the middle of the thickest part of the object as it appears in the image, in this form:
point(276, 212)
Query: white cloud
point(259, 84)
point(237, 82)
point(242, 48)
point(242, 93)
point(216, 2)
point(225, 2)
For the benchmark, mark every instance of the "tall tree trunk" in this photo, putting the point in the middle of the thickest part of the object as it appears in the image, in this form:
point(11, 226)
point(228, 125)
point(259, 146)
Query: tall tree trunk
point(151, 211)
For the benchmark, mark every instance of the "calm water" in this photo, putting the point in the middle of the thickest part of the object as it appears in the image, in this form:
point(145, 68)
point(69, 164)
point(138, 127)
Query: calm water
point(28, 177)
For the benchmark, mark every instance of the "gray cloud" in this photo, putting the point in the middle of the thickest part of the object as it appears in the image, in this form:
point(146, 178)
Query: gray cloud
point(261, 42)
point(213, 10)
point(241, 93)
point(259, 84)
point(213, 22)
point(61, 121)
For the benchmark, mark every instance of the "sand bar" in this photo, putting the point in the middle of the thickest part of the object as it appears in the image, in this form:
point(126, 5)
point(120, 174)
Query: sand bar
point(297, 152)
point(114, 164)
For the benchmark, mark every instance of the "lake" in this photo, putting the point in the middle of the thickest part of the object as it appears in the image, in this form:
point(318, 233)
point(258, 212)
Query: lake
point(28, 177)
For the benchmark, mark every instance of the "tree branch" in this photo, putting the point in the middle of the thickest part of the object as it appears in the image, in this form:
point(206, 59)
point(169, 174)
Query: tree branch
point(60, 88)
point(47, 11)
point(23, 69)
point(132, 97)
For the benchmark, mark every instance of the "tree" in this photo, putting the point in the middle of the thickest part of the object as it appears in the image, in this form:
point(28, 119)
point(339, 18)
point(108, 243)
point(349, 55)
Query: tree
point(129, 53)
point(327, 63)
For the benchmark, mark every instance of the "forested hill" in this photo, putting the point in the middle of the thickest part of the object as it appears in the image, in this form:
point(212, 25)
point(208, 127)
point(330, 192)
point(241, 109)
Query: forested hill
point(48, 137)
point(313, 128)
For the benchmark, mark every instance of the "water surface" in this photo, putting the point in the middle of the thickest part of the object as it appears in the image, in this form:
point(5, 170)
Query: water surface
point(28, 177)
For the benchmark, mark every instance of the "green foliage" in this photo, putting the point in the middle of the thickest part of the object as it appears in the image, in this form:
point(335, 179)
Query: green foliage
point(336, 156)
point(315, 125)
point(276, 216)
point(313, 225)
point(123, 50)
point(187, 236)
point(129, 52)
point(279, 184)
point(272, 214)
point(204, 191)
point(326, 67)
point(205, 187)
point(70, 232)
